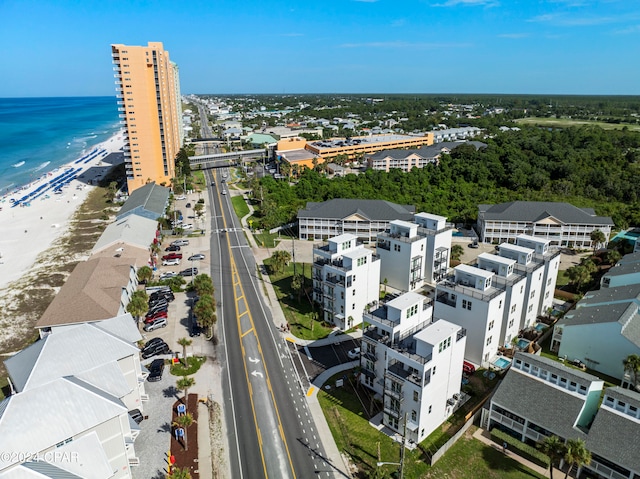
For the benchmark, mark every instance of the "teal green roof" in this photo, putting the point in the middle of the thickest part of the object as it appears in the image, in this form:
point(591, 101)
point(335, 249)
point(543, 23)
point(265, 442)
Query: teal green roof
point(260, 138)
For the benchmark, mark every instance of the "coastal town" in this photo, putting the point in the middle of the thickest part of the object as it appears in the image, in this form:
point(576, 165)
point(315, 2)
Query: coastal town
point(325, 286)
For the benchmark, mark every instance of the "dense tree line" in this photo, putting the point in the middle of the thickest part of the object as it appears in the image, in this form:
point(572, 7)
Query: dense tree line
point(586, 166)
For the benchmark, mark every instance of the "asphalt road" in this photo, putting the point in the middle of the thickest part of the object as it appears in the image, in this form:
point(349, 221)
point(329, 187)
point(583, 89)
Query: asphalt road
point(271, 432)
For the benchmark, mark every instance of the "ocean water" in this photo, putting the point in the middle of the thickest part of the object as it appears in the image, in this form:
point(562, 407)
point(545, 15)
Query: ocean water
point(46, 133)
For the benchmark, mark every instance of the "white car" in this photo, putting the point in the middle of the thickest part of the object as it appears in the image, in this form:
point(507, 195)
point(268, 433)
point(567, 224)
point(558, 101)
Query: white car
point(168, 275)
point(354, 353)
point(171, 262)
point(180, 242)
point(188, 226)
point(224, 192)
point(181, 197)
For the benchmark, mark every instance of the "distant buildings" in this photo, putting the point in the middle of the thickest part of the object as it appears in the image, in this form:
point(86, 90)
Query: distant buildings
point(148, 96)
point(453, 134)
point(561, 223)
point(362, 218)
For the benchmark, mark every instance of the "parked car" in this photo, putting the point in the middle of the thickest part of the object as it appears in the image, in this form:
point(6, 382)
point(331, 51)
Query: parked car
point(157, 324)
point(172, 247)
point(187, 226)
point(194, 327)
point(474, 245)
point(172, 256)
point(189, 272)
point(136, 415)
point(155, 349)
point(181, 197)
point(165, 294)
point(196, 257)
point(168, 275)
point(158, 301)
point(354, 353)
point(153, 342)
point(180, 242)
point(171, 262)
point(468, 368)
point(155, 370)
point(150, 318)
point(157, 309)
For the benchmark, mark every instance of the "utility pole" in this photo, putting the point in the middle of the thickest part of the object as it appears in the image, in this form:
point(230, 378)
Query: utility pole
point(404, 436)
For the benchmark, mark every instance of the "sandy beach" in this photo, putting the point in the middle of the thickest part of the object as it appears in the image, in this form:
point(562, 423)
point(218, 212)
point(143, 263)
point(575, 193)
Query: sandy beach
point(29, 230)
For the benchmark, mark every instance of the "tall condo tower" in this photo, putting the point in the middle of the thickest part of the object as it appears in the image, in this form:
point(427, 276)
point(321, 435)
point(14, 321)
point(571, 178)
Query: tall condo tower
point(148, 96)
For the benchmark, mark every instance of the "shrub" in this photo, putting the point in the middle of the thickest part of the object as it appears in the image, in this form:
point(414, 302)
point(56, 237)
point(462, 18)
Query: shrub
point(520, 448)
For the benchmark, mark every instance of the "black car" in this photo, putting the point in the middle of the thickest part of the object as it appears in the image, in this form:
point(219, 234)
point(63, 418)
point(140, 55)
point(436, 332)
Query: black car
point(155, 370)
point(172, 247)
point(189, 272)
point(166, 295)
point(154, 303)
point(157, 308)
point(160, 348)
point(153, 342)
point(136, 415)
point(194, 327)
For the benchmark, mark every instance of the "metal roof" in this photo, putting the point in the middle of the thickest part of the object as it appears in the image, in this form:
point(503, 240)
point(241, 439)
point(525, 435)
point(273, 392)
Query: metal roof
point(131, 230)
point(534, 211)
point(150, 197)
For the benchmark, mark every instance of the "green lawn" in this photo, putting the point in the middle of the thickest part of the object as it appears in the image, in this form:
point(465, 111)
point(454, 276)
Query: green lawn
point(347, 411)
point(567, 122)
point(298, 311)
point(240, 206)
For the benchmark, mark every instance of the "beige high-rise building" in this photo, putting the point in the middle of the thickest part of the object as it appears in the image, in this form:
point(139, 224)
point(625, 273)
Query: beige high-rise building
point(148, 96)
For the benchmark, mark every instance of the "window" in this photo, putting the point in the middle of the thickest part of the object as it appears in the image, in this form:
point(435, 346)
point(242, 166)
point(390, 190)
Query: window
point(396, 247)
point(521, 289)
point(429, 409)
point(530, 308)
point(510, 322)
point(416, 397)
point(341, 294)
point(500, 305)
point(412, 310)
point(466, 304)
point(362, 261)
point(533, 293)
point(433, 371)
point(490, 325)
point(414, 416)
point(353, 306)
point(513, 308)
point(489, 340)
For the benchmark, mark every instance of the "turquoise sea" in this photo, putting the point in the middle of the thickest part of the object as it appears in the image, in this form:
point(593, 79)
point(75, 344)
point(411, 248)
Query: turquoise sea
point(46, 133)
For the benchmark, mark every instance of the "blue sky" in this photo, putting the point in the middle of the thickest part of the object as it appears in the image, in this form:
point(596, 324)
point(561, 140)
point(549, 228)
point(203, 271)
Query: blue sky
point(62, 47)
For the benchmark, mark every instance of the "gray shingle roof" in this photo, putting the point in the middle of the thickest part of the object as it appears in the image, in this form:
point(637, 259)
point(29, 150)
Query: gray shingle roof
point(580, 377)
point(630, 258)
point(151, 197)
point(602, 313)
point(615, 437)
point(545, 405)
point(374, 210)
point(624, 268)
point(532, 211)
point(611, 295)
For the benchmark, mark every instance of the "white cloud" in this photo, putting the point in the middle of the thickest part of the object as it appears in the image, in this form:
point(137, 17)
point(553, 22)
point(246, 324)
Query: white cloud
point(629, 30)
point(513, 35)
point(406, 45)
point(565, 20)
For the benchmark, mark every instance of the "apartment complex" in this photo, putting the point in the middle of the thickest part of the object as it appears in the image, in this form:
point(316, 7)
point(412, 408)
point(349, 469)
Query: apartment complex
point(362, 218)
point(148, 97)
point(540, 397)
point(346, 277)
point(561, 223)
point(415, 253)
point(413, 364)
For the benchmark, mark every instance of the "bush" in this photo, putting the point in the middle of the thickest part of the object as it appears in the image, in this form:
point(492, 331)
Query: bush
point(520, 448)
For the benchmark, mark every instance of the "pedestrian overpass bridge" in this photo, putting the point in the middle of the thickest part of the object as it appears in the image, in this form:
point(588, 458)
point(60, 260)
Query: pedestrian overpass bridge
point(222, 159)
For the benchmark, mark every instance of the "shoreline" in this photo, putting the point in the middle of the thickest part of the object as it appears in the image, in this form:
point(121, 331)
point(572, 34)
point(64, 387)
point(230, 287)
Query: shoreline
point(43, 215)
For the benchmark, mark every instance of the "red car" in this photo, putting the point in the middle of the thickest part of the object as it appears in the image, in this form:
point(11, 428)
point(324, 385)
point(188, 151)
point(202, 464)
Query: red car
point(172, 256)
point(468, 368)
point(154, 316)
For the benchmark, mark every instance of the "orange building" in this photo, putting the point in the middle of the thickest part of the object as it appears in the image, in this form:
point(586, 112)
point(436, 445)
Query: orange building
point(149, 103)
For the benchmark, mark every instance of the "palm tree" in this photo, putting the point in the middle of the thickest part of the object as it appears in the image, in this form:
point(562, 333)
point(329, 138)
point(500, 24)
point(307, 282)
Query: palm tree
point(184, 422)
point(203, 284)
point(632, 366)
point(613, 256)
point(280, 259)
point(205, 311)
point(456, 252)
point(144, 274)
point(138, 304)
point(553, 447)
point(598, 238)
point(184, 383)
point(184, 342)
point(179, 473)
point(578, 275)
point(577, 454)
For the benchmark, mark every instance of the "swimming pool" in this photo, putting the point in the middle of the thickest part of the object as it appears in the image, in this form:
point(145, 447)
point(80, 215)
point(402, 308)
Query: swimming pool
point(457, 233)
point(523, 344)
point(502, 363)
point(541, 327)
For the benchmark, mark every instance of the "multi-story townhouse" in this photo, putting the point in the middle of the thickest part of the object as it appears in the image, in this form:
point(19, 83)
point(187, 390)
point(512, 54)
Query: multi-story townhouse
point(514, 284)
point(602, 331)
point(539, 397)
point(413, 364)
point(561, 223)
point(413, 254)
point(472, 299)
point(550, 256)
point(527, 264)
point(362, 218)
point(346, 277)
point(68, 428)
point(438, 249)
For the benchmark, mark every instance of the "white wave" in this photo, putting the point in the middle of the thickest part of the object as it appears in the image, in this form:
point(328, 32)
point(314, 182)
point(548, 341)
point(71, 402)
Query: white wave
point(43, 165)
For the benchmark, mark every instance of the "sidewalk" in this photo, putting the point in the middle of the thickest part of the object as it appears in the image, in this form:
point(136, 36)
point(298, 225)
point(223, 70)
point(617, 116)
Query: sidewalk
point(484, 436)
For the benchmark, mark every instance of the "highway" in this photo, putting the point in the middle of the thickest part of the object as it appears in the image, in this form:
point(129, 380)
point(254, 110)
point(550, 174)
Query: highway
point(271, 433)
